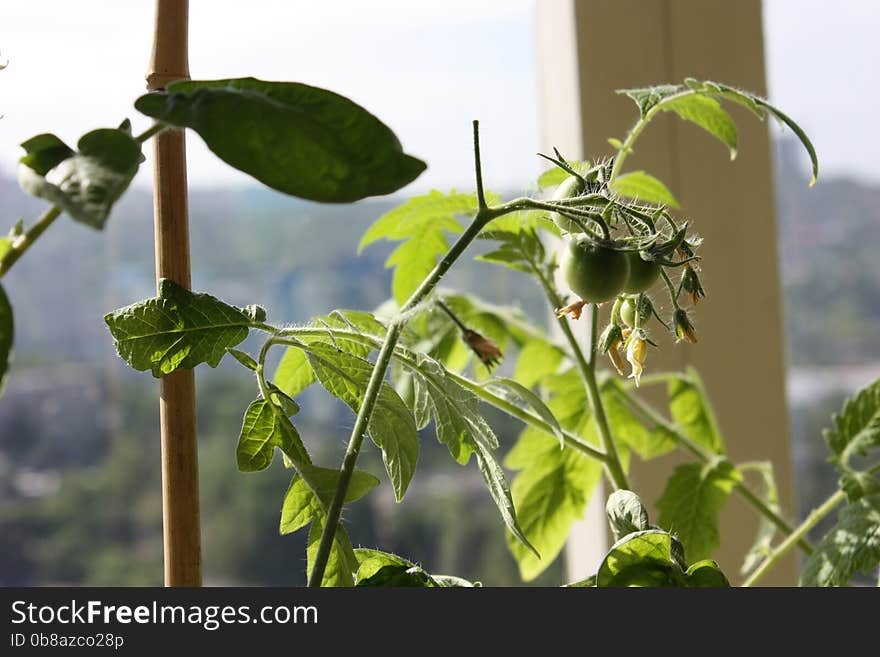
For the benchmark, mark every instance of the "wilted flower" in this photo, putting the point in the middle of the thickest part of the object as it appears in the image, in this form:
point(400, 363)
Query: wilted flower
point(486, 350)
point(609, 343)
point(684, 329)
point(574, 309)
point(636, 353)
point(690, 283)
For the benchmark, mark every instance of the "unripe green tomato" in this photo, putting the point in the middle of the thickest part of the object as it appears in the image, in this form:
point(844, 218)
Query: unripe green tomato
point(642, 274)
point(595, 273)
point(568, 188)
point(628, 312)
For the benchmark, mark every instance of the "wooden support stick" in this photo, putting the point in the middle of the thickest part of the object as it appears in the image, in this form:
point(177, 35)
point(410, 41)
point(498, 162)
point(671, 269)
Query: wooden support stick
point(177, 405)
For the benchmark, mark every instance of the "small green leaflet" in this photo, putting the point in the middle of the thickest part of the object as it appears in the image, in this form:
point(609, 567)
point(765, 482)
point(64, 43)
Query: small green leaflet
point(463, 430)
point(87, 183)
point(391, 425)
point(856, 427)
point(311, 490)
point(7, 333)
point(177, 329)
point(341, 564)
point(691, 411)
point(852, 546)
point(301, 140)
point(626, 514)
point(263, 429)
point(692, 501)
point(384, 569)
point(644, 187)
point(294, 373)
point(646, 98)
point(421, 224)
point(645, 559)
point(244, 358)
point(556, 175)
point(706, 112)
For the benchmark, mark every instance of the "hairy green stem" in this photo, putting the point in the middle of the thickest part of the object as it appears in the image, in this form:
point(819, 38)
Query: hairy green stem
point(152, 131)
point(652, 415)
point(24, 242)
point(816, 515)
point(613, 468)
point(634, 132)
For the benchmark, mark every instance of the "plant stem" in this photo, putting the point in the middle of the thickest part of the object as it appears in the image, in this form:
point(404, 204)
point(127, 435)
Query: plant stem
point(816, 515)
point(152, 131)
point(636, 130)
point(704, 455)
point(377, 377)
point(588, 372)
point(613, 468)
point(24, 242)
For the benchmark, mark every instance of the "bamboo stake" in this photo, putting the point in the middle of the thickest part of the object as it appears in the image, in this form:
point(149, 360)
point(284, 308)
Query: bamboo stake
point(180, 458)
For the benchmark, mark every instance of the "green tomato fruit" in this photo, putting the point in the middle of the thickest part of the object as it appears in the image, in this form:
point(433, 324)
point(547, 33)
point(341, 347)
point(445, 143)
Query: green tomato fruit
point(595, 273)
point(568, 188)
point(642, 274)
point(628, 312)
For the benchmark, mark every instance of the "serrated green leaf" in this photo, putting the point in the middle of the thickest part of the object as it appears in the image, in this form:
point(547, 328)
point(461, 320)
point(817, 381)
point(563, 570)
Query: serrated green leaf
point(178, 329)
point(244, 358)
point(642, 559)
point(537, 360)
point(646, 98)
point(341, 563)
point(391, 425)
point(626, 514)
point(707, 113)
point(852, 546)
point(7, 334)
point(644, 187)
point(647, 443)
point(421, 223)
point(312, 489)
point(691, 411)
point(763, 543)
point(692, 501)
point(85, 184)
point(301, 140)
point(264, 428)
point(857, 426)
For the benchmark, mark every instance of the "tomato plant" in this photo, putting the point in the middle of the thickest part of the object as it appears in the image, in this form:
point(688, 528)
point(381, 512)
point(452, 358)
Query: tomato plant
point(395, 369)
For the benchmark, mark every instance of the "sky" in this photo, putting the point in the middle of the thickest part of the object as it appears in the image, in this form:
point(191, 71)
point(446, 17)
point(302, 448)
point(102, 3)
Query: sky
point(425, 68)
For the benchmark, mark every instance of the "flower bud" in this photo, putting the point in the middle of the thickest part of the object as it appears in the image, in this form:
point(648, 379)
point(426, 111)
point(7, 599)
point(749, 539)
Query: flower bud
point(684, 329)
point(609, 343)
point(690, 283)
point(486, 350)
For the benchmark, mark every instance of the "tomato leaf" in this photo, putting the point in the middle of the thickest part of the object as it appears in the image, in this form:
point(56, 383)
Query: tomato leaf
point(297, 139)
point(644, 187)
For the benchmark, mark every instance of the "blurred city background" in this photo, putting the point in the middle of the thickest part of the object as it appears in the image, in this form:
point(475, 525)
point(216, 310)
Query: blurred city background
point(80, 495)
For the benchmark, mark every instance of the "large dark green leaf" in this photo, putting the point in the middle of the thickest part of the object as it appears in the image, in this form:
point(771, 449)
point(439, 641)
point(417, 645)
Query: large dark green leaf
point(852, 546)
point(177, 329)
point(7, 332)
point(298, 139)
point(87, 183)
